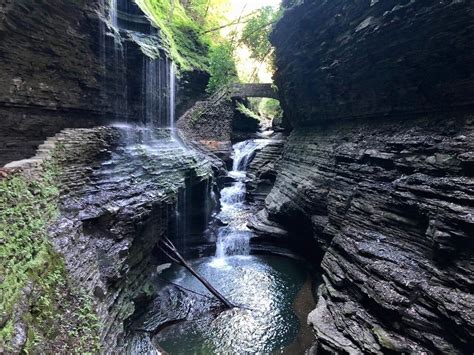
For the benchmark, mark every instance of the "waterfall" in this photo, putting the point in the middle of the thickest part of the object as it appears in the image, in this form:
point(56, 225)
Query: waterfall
point(172, 95)
point(152, 99)
point(234, 237)
point(113, 13)
point(151, 92)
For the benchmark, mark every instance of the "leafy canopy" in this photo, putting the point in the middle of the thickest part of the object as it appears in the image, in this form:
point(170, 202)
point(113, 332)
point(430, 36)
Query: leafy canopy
point(256, 32)
point(183, 25)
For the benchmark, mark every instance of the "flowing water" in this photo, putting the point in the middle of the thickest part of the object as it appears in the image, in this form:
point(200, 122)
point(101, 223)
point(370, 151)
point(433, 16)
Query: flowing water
point(184, 318)
point(153, 97)
point(263, 287)
point(234, 237)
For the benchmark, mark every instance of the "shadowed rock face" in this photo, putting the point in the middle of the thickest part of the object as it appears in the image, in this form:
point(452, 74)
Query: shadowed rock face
point(378, 170)
point(64, 65)
point(343, 59)
point(49, 71)
point(390, 203)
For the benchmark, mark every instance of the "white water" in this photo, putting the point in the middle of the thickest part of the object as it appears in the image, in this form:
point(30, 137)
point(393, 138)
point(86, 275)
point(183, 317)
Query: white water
point(158, 92)
point(172, 95)
point(113, 13)
point(234, 238)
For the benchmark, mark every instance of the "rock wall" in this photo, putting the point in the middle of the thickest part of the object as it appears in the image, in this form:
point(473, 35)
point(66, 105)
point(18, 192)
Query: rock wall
point(363, 58)
point(49, 71)
point(378, 171)
point(66, 64)
point(115, 206)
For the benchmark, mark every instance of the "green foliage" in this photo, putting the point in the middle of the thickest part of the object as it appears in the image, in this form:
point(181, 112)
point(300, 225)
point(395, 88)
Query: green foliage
point(271, 108)
point(222, 67)
point(256, 33)
point(33, 275)
point(247, 112)
point(184, 26)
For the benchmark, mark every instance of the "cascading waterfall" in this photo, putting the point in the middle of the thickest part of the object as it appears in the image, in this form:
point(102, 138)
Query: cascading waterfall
point(113, 13)
point(151, 92)
point(234, 238)
point(118, 58)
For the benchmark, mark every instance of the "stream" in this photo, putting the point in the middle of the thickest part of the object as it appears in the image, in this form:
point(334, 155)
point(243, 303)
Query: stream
point(184, 318)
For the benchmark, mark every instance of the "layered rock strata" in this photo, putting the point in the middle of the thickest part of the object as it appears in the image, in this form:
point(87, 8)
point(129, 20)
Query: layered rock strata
point(338, 59)
point(261, 172)
point(391, 204)
point(117, 199)
point(214, 124)
point(79, 64)
point(378, 171)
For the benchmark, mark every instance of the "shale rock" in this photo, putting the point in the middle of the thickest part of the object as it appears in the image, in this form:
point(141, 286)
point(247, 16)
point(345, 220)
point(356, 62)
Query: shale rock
point(391, 204)
point(119, 195)
point(378, 171)
point(338, 59)
point(261, 172)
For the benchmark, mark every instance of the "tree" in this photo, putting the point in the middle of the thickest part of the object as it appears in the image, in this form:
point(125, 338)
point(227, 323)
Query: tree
point(221, 66)
point(257, 31)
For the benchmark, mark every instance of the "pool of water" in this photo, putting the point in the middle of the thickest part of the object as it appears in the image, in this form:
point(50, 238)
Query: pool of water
point(264, 287)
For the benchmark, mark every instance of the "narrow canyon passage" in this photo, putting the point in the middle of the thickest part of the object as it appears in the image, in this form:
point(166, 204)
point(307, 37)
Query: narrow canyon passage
point(237, 177)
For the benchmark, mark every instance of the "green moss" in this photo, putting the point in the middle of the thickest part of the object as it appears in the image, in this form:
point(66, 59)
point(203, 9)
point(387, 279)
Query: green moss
point(182, 34)
point(35, 287)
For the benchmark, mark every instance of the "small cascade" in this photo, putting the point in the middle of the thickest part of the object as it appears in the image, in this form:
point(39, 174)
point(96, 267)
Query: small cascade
point(117, 57)
point(151, 92)
point(141, 78)
point(234, 237)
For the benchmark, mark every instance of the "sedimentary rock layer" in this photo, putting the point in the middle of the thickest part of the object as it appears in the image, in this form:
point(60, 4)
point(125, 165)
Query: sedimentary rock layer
point(117, 201)
point(379, 169)
point(340, 59)
point(392, 205)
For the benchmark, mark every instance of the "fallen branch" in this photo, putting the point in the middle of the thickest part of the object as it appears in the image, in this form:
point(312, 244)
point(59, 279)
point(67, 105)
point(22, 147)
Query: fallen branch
point(170, 250)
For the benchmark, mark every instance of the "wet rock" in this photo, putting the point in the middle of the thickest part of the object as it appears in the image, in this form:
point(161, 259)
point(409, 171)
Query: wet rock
point(338, 60)
point(261, 172)
point(114, 212)
point(396, 230)
point(378, 170)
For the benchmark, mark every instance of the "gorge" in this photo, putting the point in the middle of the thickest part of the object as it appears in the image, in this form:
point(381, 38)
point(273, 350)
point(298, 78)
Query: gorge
point(344, 227)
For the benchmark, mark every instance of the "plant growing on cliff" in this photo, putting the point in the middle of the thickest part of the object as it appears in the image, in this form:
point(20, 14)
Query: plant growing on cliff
point(256, 35)
point(184, 27)
point(34, 289)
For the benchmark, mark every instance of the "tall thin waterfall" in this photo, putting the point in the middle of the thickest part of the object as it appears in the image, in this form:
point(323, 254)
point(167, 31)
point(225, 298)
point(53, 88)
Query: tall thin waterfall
point(234, 237)
point(152, 92)
point(172, 95)
point(113, 13)
point(150, 100)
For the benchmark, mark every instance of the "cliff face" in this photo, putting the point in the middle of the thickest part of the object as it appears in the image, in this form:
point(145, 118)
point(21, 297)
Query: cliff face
point(378, 171)
point(49, 73)
point(339, 59)
point(68, 64)
point(116, 201)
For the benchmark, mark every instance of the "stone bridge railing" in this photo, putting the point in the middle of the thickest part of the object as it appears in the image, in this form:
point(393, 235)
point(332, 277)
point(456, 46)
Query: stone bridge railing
point(253, 90)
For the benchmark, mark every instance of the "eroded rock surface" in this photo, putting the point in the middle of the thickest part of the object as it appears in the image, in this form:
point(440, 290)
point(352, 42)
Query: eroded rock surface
point(378, 171)
point(339, 59)
point(119, 196)
point(391, 204)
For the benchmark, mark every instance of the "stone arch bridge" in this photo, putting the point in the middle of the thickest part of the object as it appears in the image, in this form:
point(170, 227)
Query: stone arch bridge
point(242, 91)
